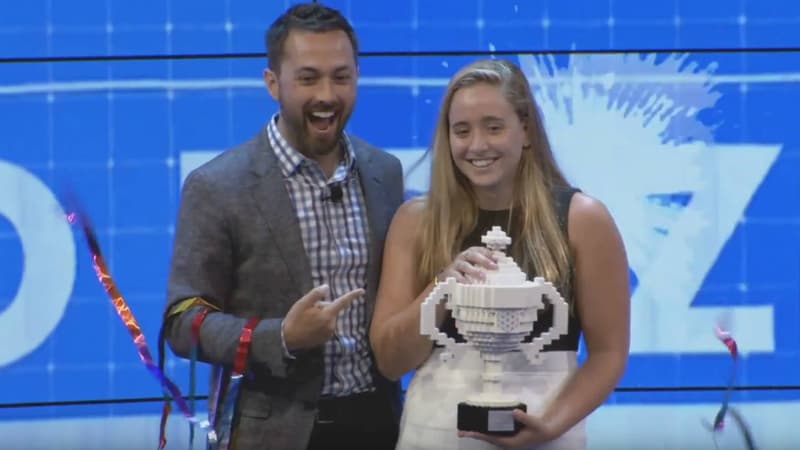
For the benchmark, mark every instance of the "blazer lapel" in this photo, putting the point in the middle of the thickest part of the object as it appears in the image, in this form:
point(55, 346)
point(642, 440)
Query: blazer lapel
point(377, 221)
point(277, 212)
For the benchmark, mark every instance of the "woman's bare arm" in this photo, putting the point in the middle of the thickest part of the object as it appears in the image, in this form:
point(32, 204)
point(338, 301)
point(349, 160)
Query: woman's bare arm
point(602, 296)
point(395, 330)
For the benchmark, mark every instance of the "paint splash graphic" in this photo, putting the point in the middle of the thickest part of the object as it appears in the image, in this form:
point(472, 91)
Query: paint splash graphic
point(627, 130)
point(641, 114)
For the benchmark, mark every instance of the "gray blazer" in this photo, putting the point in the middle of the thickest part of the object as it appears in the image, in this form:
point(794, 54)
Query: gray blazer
point(238, 246)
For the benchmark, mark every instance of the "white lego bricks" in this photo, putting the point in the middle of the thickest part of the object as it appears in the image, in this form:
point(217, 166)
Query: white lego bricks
point(496, 314)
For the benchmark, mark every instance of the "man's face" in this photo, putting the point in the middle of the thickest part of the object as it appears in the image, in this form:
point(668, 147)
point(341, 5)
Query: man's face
point(315, 86)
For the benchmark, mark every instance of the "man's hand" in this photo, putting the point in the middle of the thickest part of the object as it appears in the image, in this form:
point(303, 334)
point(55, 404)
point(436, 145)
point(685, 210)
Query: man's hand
point(311, 321)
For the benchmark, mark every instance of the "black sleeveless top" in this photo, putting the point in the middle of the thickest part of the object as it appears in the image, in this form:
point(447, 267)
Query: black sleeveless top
point(544, 320)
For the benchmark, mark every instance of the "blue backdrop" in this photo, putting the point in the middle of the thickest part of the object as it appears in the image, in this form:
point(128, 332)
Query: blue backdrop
point(696, 153)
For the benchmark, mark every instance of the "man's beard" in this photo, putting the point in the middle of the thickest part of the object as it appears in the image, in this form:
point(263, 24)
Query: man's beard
point(300, 128)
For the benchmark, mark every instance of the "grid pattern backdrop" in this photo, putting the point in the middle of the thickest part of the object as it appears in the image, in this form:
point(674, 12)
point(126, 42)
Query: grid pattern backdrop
point(124, 133)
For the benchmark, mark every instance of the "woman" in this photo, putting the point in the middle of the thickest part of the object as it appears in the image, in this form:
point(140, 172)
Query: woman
point(492, 165)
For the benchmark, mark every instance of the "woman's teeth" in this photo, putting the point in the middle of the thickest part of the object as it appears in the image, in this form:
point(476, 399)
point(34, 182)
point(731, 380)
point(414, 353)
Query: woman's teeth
point(481, 162)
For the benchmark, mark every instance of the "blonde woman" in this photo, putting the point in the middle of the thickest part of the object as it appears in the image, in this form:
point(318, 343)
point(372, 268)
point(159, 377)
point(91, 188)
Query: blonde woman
point(492, 165)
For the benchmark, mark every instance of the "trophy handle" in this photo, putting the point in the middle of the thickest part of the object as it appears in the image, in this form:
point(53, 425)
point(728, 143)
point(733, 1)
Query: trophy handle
point(560, 321)
point(428, 316)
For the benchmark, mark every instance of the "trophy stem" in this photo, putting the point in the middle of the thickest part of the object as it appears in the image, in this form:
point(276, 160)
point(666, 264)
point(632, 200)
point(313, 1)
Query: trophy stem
point(492, 373)
point(489, 411)
point(492, 388)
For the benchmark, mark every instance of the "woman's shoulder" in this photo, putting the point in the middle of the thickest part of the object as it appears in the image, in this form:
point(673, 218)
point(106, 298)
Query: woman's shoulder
point(585, 208)
point(589, 219)
point(409, 215)
point(412, 208)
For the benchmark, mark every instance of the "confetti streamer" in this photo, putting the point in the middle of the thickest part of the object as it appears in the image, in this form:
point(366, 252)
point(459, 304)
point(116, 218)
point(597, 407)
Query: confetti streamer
point(725, 409)
point(79, 218)
point(227, 392)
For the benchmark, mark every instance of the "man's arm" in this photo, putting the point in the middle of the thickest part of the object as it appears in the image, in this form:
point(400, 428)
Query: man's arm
point(203, 267)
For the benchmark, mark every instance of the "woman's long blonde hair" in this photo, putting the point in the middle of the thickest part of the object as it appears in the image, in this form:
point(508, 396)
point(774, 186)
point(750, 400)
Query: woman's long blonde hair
point(451, 210)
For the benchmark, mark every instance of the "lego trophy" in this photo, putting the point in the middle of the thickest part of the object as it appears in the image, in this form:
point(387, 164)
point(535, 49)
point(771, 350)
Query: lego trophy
point(494, 316)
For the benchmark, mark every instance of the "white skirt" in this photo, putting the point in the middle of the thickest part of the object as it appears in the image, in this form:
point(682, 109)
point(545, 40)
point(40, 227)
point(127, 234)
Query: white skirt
point(430, 411)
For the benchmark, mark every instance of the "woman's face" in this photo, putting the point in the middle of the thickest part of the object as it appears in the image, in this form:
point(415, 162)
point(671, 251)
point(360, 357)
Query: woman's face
point(486, 141)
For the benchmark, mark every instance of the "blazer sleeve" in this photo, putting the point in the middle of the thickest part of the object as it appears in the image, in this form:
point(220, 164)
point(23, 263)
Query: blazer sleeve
point(203, 267)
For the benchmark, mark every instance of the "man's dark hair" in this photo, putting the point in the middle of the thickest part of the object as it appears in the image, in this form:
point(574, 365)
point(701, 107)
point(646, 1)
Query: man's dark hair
point(306, 17)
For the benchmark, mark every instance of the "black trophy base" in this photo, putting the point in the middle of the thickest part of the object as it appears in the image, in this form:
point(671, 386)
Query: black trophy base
point(491, 420)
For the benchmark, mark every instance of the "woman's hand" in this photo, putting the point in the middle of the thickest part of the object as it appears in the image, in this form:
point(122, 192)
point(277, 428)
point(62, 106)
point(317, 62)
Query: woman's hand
point(534, 431)
point(469, 266)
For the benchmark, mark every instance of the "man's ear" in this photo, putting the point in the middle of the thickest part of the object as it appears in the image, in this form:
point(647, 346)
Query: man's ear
point(271, 80)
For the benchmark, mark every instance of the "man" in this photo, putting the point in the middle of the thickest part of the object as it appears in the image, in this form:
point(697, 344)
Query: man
point(288, 229)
